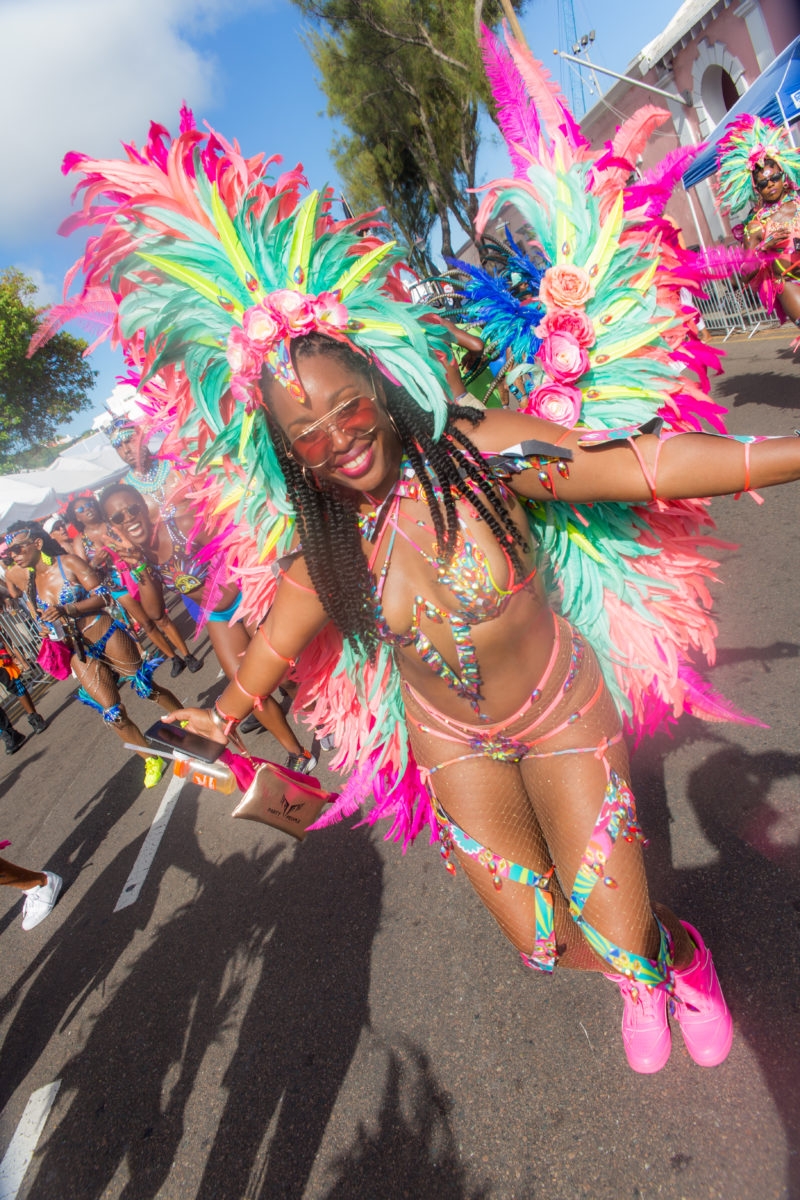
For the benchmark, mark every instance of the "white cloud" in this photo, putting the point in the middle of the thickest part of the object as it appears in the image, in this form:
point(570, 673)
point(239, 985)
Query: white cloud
point(47, 291)
point(84, 75)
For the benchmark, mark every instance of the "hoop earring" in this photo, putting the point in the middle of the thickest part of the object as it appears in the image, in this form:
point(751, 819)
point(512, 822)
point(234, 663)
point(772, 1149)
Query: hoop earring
point(310, 479)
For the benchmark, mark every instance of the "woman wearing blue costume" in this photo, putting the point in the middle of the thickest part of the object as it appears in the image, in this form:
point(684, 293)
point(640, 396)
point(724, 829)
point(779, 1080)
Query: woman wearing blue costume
point(69, 601)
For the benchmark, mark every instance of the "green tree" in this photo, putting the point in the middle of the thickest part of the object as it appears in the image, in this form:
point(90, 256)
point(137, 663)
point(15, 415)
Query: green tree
point(405, 78)
point(37, 394)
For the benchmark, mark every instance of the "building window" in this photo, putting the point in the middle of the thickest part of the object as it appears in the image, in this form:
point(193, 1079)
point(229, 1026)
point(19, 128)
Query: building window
point(718, 92)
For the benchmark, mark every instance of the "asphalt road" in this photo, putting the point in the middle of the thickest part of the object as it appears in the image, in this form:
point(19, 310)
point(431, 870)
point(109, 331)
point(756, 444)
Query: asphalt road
point(334, 1020)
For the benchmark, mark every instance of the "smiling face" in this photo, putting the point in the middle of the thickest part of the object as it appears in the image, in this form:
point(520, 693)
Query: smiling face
point(126, 513)
point(343, 432)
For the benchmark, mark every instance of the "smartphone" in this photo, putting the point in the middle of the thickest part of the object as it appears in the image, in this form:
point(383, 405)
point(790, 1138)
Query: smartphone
point(171, 737)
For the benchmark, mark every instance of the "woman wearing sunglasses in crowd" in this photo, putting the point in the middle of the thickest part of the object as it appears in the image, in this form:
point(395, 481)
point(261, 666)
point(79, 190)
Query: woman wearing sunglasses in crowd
point(57, 528)
point(69, 600)
point(95, 544)
point(758, 162)
point(180, 566)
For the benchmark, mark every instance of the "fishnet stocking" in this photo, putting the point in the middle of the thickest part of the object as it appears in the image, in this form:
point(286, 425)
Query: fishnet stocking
point(541, 812)
point(97, 677)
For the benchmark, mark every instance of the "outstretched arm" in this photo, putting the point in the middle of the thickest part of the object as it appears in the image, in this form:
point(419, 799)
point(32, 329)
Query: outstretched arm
point(670, 468)
point(295, 618)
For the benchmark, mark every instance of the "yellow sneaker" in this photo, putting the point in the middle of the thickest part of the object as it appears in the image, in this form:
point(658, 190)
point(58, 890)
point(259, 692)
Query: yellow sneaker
point(153, 770)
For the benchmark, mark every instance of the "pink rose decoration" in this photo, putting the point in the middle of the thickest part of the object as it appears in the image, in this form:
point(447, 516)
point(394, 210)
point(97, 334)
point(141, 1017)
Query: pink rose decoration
point(242, 355)
point(565, 286)
point(562, 358)
point(263, 325)
point(568, 320)
point(558, 402)
point(296, 308)
point(329, 310)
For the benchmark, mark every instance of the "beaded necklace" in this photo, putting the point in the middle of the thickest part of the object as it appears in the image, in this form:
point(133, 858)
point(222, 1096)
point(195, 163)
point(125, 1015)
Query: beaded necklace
point(467, 576)
point(153, 480)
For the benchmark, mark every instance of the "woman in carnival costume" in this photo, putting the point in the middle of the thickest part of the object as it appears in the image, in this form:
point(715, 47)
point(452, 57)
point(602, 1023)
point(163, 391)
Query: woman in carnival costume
point(96, 544)
point(470, 602)
point(68, 600)
point(758, 165)
point(179, 563)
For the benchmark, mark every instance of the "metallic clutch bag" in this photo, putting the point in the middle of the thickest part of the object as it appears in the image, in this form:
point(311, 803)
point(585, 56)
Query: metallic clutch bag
point(284, 799)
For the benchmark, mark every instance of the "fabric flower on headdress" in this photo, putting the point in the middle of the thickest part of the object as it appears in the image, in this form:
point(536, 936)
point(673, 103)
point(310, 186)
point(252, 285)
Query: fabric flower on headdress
point(748, 142)
point(560, 402)
point(267, 329)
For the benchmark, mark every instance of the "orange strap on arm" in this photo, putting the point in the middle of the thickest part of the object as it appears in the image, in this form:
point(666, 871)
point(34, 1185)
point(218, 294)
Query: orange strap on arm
point(746, 486)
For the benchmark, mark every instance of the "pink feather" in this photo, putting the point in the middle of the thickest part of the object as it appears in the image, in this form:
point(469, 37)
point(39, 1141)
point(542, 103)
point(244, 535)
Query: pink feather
point(516, 116)
point(653, 190)
point(547, 98)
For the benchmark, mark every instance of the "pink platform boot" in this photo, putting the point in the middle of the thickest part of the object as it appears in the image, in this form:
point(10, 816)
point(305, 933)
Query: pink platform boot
point(645, 1028)
point(700, 1007)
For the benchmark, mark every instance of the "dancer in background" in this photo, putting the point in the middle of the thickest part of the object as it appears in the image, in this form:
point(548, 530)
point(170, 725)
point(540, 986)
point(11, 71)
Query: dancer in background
point(95, 544)
point(57, 528)
point(156, 479)
point(758, 165)
point(68, 600)
point(183, 568)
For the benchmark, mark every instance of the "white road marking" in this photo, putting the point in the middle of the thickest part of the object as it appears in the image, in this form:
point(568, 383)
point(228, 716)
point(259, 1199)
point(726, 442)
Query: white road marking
point(18, 1156)
point(130, 893)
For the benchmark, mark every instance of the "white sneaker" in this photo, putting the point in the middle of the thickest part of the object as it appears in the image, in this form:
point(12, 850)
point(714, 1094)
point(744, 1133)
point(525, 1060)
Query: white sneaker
point(39, 900)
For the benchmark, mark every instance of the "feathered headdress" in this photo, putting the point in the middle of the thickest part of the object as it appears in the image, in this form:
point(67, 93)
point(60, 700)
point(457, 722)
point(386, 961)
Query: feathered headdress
point(745, 147)
point(217, 272)
point(587, 300)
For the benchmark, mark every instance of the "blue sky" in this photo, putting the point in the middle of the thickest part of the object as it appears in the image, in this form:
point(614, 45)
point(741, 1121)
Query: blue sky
point(88, 74)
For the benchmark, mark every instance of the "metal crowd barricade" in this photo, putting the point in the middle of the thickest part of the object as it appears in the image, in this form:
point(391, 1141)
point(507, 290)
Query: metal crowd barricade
point(731, 306)
point(18, 629)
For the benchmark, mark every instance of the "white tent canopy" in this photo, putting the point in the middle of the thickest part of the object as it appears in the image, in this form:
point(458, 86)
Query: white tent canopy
point(30, 495)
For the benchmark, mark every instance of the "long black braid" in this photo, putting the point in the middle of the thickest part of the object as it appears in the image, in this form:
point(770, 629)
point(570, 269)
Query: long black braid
point(327, 516)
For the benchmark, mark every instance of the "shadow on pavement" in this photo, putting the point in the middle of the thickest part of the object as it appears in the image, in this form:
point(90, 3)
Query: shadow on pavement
point(413, 1151)
point(773, 390)
point(746, 904)
point(278, 945)
point(86, 948)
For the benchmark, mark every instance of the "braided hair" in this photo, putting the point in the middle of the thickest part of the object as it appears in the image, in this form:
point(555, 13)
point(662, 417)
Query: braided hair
point(327, 516)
